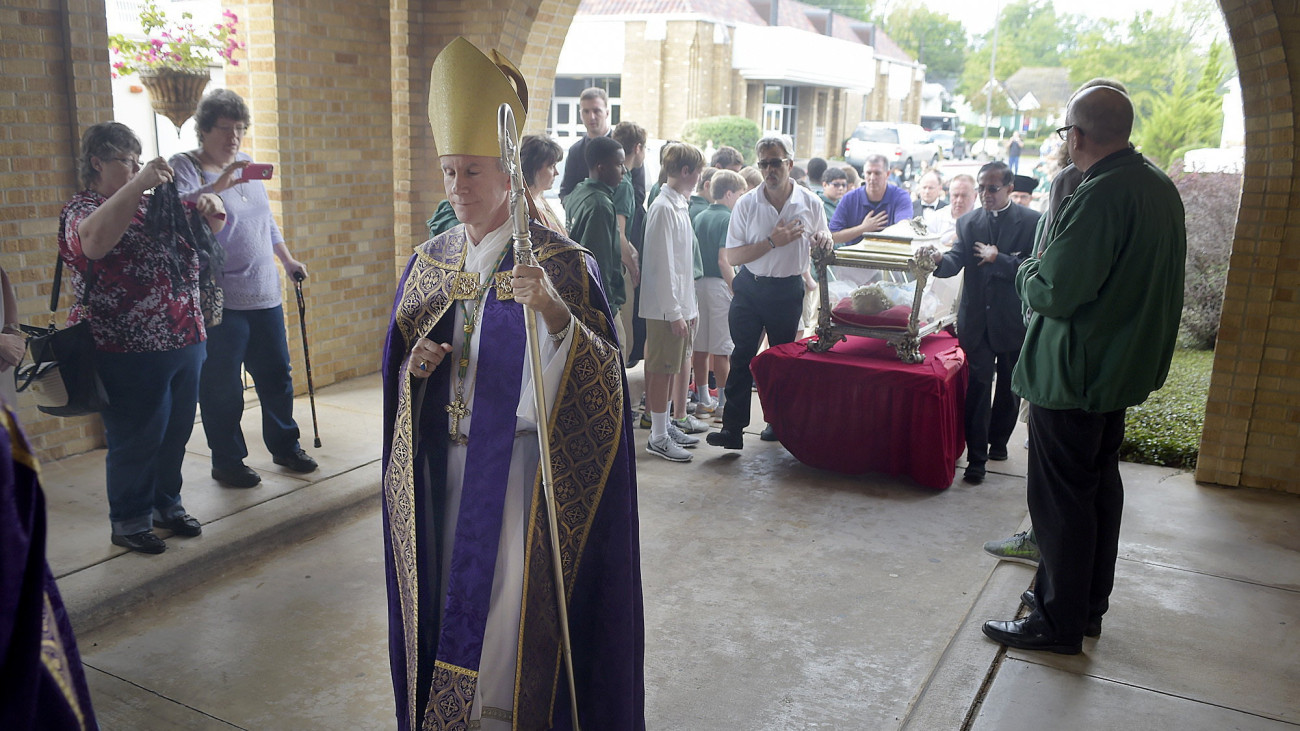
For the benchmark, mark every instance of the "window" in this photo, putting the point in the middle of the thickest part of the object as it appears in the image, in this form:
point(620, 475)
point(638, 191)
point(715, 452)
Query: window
point(780, 107)
point(565, 119)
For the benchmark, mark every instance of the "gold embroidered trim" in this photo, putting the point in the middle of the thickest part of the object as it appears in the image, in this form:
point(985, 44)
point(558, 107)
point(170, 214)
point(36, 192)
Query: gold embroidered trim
point(55, 659)
point(451, 697)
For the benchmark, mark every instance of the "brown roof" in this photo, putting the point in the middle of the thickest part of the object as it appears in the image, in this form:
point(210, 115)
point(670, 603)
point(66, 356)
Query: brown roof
point(1050, 85)
point(793, 14)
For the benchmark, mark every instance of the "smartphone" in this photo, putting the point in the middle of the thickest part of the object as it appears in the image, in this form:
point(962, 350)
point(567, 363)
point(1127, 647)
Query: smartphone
point(258, 171)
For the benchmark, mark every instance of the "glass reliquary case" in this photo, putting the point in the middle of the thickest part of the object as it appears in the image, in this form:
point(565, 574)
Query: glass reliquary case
point(882, 287)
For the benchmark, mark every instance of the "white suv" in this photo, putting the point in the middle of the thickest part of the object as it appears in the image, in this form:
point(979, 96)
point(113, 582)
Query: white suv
point(906, 146)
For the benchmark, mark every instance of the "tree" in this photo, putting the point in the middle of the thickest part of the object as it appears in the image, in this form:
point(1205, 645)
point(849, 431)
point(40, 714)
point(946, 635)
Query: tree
point(1030, 33)
point(935, 39)
point(1185, 116)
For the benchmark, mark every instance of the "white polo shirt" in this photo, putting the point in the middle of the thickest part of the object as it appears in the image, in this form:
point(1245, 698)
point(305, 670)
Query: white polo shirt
point(753, 219)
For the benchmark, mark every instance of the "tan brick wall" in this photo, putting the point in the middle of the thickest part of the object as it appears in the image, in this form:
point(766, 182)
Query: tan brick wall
point(43, 112)
point(1252, 421)
point(317, 79)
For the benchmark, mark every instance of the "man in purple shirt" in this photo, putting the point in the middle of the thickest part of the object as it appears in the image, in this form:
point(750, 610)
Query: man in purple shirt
point(871, 207)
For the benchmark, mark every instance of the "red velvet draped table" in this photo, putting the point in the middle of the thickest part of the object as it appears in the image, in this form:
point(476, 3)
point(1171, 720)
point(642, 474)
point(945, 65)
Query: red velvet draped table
point(856, 408)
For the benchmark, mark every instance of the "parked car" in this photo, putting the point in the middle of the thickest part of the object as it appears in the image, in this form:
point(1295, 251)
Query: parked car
point(989, 149)
point(951, 143)
point(906, 146)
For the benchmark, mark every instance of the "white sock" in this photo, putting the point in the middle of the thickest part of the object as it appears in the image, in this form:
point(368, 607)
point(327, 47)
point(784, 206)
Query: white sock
point(658, 425)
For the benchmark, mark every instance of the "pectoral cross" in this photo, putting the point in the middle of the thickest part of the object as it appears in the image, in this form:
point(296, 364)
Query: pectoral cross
point(458, 411)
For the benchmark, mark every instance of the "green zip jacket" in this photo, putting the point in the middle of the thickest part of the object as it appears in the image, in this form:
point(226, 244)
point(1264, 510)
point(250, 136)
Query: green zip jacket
point(1106, 293)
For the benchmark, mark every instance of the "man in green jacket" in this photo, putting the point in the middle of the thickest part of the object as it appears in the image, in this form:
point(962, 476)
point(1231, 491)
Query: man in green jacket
point(592, 221)
point(1107, 295)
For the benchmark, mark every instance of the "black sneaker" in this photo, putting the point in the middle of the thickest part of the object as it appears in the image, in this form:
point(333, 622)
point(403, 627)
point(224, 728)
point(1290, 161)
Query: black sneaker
point(236, 475)
point(186, 525)
point(769, 434)
point(144, 542)
point(298, 461)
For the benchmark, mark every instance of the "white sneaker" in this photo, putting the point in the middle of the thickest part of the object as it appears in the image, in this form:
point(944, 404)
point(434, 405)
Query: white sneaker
point(680, 438)
point(665, 447)
point(690, 425)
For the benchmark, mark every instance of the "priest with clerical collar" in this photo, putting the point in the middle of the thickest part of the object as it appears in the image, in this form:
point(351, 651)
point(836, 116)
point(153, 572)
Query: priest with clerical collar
point(473, 634)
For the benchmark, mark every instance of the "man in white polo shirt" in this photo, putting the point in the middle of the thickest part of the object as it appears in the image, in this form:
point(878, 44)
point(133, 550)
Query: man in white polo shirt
point(773, 228)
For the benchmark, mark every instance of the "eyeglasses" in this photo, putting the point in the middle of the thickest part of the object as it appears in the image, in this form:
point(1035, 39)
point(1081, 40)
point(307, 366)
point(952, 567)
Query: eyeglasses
point(837, 184)
point(131, 162)
point(990, 189)
point(239, 130)
point(771, 162)
point(1064, 132)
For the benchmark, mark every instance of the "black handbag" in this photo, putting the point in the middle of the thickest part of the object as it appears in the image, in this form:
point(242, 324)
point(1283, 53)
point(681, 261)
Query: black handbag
point(62, 375)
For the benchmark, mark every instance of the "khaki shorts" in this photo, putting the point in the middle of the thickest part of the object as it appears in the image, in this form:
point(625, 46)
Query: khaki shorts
point(665, 352)
point(713, 332)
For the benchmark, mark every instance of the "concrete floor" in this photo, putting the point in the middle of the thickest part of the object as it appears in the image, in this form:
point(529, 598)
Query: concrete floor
point(777, 597)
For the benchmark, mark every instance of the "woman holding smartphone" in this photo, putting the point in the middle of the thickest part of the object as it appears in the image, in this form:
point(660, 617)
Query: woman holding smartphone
point(251, 334)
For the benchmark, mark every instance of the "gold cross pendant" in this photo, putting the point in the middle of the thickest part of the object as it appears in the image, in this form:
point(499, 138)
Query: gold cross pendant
point(458, 411)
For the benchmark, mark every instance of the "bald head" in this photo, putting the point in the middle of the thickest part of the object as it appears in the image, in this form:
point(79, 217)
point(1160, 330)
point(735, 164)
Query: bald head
point(1104, 115)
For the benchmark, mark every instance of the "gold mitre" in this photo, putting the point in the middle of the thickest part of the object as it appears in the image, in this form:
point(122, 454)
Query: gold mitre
point(466, 88)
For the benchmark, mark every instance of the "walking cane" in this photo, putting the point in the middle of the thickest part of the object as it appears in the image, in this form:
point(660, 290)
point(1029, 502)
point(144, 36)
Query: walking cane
point(306, 354)
point(524, 255)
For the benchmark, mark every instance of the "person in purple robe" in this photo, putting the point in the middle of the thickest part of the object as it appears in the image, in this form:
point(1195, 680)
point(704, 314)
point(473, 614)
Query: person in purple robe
point(44, 683)
point(474, 635)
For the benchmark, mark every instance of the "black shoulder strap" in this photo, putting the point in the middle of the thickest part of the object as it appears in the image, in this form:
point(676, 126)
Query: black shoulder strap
point(58, 281)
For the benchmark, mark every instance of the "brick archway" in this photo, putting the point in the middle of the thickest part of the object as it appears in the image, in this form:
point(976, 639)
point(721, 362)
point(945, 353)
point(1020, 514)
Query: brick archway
point(339, 90)
point(1252, 421)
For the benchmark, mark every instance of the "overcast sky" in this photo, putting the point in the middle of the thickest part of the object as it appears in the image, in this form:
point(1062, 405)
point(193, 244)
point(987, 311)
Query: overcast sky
point(978, 16)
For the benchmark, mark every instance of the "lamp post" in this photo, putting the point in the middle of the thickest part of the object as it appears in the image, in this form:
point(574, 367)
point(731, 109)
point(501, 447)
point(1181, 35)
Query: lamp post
point(988, 92)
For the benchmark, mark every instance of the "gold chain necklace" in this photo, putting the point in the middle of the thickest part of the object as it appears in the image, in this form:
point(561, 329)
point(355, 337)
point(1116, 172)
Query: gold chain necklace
point(458, 408)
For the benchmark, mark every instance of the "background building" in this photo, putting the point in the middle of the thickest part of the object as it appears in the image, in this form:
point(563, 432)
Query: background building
point(803, 70)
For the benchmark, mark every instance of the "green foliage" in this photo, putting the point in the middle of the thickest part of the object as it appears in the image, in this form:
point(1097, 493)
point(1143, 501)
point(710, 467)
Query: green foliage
point(935, 39)
point(1030, 33)
point(1210, 201)
point(1166, 429)
point(739, 132)
point(1183, 116)
point(174, 45)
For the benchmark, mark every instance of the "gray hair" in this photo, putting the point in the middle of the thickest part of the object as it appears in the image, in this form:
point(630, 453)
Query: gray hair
point(103, 141)
point(220, 104)
point(782, 140)
point(873, 159)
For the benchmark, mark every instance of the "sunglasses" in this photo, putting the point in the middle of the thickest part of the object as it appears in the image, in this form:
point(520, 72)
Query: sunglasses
point(771, 162)
point(990, 189)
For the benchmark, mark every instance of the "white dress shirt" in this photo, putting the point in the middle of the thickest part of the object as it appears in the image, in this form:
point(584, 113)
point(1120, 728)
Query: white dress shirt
point(668, 259)
point(754, 218)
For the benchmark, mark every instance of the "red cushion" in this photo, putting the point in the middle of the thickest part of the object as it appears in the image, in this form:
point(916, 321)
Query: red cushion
point(895, 316)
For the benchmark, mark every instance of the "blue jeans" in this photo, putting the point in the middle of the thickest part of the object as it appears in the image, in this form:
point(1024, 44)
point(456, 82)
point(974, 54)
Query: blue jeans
point(147, 424)
point(255, 340)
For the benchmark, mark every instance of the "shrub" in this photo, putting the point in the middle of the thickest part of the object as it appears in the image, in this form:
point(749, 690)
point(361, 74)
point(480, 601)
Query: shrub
point(739, 132)
point(1166, 429)
point(1210, 201)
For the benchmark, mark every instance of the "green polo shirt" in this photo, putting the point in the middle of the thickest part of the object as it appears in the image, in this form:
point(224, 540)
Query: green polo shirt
point(593, 223)
point(711, 233)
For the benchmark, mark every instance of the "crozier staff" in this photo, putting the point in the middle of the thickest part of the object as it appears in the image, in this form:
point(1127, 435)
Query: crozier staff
point(473, 631)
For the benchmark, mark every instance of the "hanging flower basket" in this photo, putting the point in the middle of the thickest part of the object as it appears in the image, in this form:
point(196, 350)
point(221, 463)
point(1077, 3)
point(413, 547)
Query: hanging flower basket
point(175, 93)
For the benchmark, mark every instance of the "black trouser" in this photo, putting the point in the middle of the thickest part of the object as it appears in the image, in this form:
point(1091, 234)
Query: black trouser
point(1076, 499)
point(989, 425)
point(773, 304)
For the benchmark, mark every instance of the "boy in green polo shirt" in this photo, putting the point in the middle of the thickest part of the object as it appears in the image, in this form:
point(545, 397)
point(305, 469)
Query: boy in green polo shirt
point(591, 218)
point(713, 344)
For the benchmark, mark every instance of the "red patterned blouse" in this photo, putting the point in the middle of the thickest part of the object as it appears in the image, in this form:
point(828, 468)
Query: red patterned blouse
point(139, 302)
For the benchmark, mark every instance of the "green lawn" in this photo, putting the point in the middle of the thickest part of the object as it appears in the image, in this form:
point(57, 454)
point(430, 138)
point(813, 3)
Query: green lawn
point(1166, 428)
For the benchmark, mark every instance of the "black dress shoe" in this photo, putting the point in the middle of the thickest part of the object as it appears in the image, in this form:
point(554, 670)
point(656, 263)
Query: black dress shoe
point(297, 461)
point(974, 473)
point(1092, 629)
point(236, 475)
point(186, 525)
point(998, 454)
point(769, 434)
point(144, 542)
point(1014, 633)
point(725, 438)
